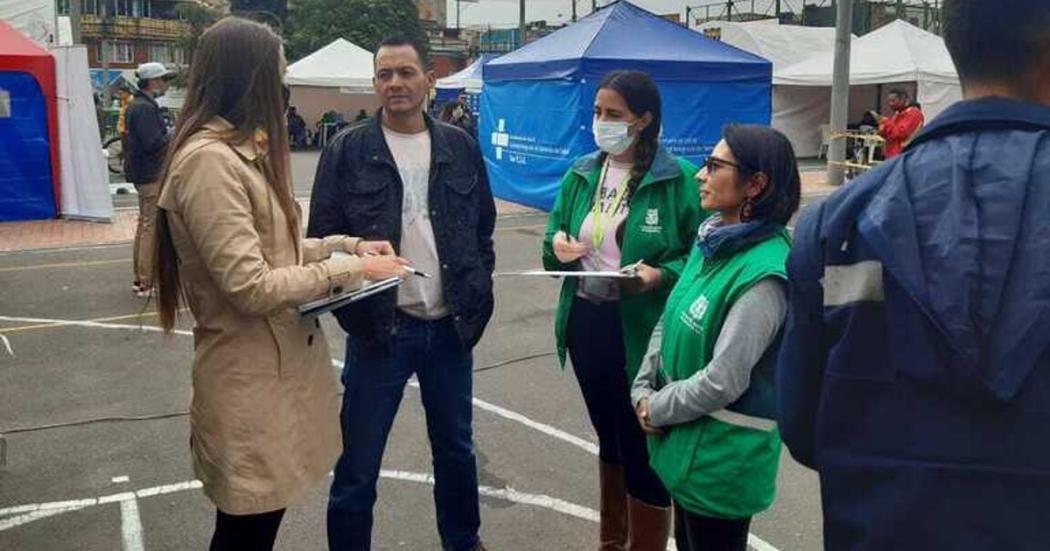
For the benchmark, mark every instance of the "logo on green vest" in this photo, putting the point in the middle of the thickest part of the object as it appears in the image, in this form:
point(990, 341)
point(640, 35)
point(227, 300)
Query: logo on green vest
point(694, 316)
point(652, 221)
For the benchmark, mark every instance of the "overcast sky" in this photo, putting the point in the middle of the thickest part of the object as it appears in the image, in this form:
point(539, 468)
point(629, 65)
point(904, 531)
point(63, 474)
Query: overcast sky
point(504, 13)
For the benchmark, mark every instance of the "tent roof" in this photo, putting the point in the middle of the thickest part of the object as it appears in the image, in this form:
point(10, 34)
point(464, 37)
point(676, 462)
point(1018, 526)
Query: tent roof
point(470, 77)
point(341, 64)
point(784, 45)
point(14, 43)
point(897, 52)
point(624, 36)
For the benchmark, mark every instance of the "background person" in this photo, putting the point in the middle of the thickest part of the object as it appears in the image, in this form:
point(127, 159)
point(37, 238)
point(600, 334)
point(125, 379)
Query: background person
point(296, 128)
point(914, 375)
point(904, 124)
point(631, 201)
point(421, 184)
point(705, 389)
point(145, 146)
point(264, 418)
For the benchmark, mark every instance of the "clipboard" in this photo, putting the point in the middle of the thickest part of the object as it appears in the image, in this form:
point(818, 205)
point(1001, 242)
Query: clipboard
point(627, 272)
point(611, 275)
point(315, 308)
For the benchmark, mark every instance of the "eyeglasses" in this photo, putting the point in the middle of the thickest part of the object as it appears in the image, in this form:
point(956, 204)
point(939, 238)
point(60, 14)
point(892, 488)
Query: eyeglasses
point(714, 163)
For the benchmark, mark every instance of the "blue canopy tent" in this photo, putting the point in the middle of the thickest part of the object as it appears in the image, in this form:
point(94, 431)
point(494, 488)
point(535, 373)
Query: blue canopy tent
point(537, 105)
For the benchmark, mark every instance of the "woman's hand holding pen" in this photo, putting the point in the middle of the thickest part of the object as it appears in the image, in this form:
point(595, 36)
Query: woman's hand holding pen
point(378, 267)
point(647, 279)
point(379, 261)
point(567, 248)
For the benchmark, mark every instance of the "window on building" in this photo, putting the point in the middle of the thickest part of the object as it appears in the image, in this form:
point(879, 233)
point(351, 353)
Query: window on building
point(167, 53)
point(120, 51)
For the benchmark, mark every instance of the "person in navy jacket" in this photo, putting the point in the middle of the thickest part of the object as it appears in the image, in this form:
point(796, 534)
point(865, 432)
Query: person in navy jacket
point(915, 371)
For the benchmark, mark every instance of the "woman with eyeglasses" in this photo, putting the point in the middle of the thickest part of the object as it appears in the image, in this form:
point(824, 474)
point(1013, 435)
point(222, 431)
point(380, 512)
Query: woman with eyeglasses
point(630, 203)
point(705, 390)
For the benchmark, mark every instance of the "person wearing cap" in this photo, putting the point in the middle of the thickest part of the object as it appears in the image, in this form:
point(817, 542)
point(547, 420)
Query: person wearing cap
point(145, 146)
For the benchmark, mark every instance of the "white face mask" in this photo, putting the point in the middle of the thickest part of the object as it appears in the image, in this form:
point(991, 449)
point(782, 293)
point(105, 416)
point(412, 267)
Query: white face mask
point(612, 137)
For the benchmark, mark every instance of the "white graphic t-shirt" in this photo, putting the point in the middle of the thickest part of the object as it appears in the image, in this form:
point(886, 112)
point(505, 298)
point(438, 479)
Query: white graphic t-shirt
point(418, 297)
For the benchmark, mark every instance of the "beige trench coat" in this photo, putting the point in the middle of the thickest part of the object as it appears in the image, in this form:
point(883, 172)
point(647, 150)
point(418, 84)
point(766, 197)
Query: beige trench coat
point(265, 412)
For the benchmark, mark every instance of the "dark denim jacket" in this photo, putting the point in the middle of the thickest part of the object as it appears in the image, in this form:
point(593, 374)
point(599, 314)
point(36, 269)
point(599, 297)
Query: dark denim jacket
point(358, 192)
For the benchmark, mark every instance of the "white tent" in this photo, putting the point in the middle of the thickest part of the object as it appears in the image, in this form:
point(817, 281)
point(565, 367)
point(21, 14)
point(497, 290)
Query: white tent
point(469, 78)
point(336, 78)
point(898, 55)
point(341, 64)
point(784, 46)
point(85, 182)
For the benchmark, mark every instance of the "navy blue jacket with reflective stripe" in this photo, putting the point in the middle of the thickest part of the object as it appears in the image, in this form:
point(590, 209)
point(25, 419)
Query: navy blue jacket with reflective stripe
point(915, 370)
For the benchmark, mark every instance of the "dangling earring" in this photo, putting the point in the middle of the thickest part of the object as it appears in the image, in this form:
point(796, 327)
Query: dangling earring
point(745, 212)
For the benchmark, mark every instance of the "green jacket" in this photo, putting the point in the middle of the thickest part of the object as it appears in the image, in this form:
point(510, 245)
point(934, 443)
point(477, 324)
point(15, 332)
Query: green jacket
point(660, 229)
point(724, 464)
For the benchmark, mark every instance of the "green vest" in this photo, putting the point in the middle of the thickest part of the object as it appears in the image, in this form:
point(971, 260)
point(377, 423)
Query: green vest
point(724, 464)
point(660, 229)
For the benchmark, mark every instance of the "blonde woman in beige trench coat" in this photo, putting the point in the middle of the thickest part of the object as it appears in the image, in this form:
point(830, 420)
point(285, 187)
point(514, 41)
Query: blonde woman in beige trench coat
point(264, 417)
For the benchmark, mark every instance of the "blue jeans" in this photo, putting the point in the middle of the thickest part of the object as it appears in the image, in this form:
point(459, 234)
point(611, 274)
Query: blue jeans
point(375, 378)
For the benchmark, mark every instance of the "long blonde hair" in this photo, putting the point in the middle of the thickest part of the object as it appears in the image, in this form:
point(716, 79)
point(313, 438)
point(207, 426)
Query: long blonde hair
point(236, 75)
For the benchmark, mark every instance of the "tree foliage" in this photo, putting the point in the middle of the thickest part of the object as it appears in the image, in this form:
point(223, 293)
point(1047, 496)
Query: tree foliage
point(313, 24)
point(199, 16)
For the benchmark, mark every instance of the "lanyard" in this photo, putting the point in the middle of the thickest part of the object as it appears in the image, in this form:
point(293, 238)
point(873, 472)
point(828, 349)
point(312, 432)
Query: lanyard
point(599, 212)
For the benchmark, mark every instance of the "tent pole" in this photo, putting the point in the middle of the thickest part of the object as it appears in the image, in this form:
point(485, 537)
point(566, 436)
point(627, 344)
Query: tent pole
point(74, 20)
point(573, 11)
point(521, 23)
point(104, 52)
point(840, 93)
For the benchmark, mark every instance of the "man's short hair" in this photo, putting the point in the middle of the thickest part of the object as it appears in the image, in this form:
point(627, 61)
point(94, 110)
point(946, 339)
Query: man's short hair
point(996, 41)
point(142, 84)
point(396, 40)
point(899, 92)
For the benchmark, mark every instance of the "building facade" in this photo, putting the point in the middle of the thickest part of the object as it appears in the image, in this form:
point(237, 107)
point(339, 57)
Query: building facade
point(129, 32)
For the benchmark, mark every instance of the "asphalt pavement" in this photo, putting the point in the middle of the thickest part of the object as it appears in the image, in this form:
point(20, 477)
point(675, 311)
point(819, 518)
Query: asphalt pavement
point(94, 402)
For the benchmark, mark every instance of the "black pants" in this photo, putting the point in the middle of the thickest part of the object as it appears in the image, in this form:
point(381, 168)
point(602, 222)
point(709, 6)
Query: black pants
point(700, 533)
point(246, 532)
point(595, 342)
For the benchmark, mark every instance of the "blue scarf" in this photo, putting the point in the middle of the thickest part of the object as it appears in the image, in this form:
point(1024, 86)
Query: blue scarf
point(715, 239)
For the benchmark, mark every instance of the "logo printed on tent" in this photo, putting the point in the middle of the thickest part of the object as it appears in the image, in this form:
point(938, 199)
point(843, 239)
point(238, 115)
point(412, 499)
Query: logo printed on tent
point(5, 104)
point(500, 138)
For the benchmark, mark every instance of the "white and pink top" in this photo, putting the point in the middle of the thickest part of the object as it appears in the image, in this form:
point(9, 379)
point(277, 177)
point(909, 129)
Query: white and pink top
point(600, 234)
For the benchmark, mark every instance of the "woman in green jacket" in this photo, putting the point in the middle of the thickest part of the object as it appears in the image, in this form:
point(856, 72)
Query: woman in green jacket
point(704, 392)
point(630, 203)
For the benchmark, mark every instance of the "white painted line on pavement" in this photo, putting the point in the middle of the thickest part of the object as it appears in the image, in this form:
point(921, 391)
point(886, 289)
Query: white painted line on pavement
point(59, 250)
point(94, 325)
point(553, 432)
point(130, 520)
point(753, 540)
point(170, 488)
point(38, 514)
point(508, 494)
point(131, 524)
